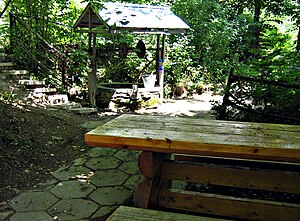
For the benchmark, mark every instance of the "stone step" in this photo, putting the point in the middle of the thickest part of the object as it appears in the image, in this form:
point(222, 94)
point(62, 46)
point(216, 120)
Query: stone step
point(44, 90)
point(41, 93)
point(83, 110)
point(6, 66)
point(27, 82)
point(1, 47)
point(3, 57)
point(15, 73)
point(67, 106)
point(58, 99)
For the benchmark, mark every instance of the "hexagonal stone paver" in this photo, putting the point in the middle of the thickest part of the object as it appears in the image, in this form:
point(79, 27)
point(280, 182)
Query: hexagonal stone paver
point(46, 185)
point(33, 201)
point(130, 167)
point(103, 163)
point(127, 155)
point(104, 212)
point(109, 178)
point(101, 152)
point(109, 196)
point(90, 125)
point(29, 216)
point(65, 173)
point(73, 209)
point(5, 215)
point(72, 189)
point(79, 161)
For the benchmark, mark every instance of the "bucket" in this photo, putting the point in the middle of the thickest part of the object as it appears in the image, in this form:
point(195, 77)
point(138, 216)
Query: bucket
point(149, 80)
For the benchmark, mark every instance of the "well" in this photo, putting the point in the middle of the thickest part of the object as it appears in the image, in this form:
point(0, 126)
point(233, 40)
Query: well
point(122, 92)
point(118, 18)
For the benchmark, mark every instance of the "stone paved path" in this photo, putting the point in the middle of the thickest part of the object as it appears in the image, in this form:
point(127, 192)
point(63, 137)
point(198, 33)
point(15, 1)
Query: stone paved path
point(95, 184)
point(89, 189)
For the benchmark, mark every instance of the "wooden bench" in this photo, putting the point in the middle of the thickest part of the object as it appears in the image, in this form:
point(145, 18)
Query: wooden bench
point(218, 173)
point(124, 213)
point(245, 170)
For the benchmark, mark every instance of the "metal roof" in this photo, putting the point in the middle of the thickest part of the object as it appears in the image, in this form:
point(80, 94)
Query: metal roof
point(134, 18)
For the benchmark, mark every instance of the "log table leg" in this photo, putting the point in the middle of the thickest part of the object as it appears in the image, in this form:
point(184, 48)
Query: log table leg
point(147, 192)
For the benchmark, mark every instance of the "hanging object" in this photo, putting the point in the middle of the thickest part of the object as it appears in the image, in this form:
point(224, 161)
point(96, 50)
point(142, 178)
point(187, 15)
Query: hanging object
point(123, 50)
point(141, 52)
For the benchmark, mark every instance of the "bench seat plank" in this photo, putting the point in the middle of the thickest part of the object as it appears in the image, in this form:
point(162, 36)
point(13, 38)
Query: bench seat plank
point(241, 177)
point(124, 213)
point(227, 206)
point(199, 137)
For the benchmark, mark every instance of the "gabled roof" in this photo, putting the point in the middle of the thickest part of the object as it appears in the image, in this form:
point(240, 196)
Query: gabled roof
point(133, 18)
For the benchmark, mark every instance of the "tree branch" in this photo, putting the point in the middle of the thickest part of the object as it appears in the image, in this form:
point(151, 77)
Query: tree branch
point(5, 8)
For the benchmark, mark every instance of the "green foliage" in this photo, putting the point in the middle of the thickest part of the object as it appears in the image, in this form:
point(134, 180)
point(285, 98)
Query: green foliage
point(8, 96)
point(257, 38)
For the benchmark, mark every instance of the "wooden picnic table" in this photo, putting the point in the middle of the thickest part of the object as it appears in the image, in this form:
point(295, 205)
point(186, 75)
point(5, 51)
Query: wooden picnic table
point(237, 155)
point(199, 137)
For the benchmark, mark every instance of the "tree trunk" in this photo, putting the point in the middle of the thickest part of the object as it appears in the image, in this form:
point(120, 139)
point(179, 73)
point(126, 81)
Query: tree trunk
point(298, 41)
point(5, 8)
point(257, 13)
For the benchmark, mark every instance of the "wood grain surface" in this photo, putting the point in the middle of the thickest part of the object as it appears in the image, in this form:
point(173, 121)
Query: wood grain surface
point(164, 134)
point(124, 213)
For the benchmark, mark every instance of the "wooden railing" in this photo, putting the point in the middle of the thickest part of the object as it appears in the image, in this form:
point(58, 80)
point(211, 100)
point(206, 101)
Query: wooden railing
point(33, 52)
point(239, 93)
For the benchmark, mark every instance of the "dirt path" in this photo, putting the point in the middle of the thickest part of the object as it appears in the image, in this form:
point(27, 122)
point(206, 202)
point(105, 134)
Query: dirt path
point(198, 106)
point(36, 141)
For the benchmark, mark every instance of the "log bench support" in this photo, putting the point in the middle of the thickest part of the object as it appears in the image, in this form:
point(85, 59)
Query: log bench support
point(156, 191)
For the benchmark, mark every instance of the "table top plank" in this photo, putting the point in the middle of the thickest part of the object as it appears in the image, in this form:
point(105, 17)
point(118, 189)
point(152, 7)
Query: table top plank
point(199, 137)
point(206, 127)
point(202, 122)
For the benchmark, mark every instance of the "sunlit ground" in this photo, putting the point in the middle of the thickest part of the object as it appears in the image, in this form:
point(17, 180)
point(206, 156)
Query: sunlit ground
point(198, 105)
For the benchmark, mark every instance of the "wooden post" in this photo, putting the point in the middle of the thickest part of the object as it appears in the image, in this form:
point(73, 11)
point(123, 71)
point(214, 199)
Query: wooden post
point(157, 55)
point(92, 74)
point(147, 191)
point(92, 81)
point(161, 67)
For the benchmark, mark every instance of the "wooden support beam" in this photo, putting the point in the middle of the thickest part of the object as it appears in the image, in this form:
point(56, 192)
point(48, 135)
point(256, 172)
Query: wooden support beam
point(92, 82)
point(92, 79)
point(157, 54)
point(241, 177)
point(161, 66)
point(147, 192)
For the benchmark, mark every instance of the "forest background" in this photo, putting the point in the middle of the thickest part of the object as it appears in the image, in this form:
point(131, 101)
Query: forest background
point(257, 39)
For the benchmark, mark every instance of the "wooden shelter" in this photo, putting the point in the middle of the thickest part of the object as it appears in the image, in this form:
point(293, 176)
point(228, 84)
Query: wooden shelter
point(116, 18)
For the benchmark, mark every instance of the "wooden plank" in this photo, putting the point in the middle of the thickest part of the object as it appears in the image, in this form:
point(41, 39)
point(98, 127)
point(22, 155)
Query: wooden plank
point(124, 213)
point(216, 123)
point(242, 177)
point(191, 124)
point(239, 162)
point(200, 137)
point(290, 142)
point(147, 192)
point(229, 206)
point(195, 143)
point(207, 129)
point(209, 134)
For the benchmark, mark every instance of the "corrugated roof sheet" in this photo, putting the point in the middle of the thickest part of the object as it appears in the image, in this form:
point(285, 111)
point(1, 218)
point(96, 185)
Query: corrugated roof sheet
point(134, 17)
